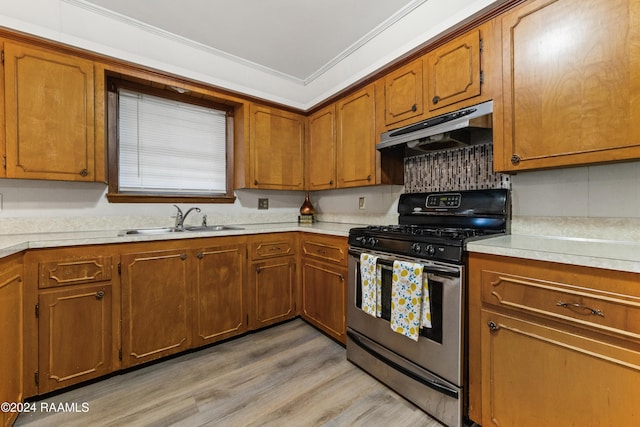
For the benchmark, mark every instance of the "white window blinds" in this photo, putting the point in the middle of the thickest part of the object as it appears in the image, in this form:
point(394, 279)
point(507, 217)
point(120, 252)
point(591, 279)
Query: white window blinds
point(170, 147)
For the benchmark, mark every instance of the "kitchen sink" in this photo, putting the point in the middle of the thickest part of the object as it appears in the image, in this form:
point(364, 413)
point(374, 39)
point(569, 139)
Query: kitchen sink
point(165, 230)
point(154, 230)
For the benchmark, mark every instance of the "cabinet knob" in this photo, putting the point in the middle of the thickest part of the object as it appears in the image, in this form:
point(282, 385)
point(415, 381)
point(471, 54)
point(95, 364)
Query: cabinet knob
point(341, 277)
point(200, 255)
point(369, 178)
point(493, 326)
point(435, 99)
point(183, 257)
point(515, 159)
point(331, 182)
point(99, 294)
point(255, 182)
point(414, 108)
point(84, 172)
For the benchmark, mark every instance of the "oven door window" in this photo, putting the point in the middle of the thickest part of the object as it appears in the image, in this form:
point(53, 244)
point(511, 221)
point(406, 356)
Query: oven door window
point(434, 333)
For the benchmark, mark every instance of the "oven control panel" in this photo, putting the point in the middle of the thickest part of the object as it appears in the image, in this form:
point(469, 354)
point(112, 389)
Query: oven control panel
point(449, 200)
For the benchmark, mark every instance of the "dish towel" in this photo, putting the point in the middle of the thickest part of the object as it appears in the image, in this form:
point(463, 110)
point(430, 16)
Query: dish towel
point(370, 278)
point(407, 291)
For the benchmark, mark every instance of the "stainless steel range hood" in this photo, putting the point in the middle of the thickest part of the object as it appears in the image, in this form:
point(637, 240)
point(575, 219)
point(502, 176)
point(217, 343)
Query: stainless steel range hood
point(460, 128)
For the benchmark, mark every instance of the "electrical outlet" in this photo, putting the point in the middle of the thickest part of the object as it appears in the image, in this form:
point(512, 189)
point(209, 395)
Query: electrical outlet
point(263, 203)
point(361, 203)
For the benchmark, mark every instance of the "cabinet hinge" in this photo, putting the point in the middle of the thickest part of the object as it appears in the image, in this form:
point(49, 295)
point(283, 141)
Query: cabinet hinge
point(4, 162)
point(120, 354)
point(481, 45)
point(481, 76)
point(247, 319)
point(37, 310)
point(36, 377)
point(119, 268)
point(2, 57)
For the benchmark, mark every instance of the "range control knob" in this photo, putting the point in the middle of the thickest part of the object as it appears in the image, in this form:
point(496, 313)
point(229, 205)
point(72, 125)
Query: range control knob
point(431, 250)
point(416, 248)
point(372, 241)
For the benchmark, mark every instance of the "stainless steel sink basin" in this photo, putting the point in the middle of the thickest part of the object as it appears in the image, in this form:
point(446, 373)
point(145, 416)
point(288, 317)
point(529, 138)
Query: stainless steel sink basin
point(211, 228)
point(154, 230)
point(164, 230)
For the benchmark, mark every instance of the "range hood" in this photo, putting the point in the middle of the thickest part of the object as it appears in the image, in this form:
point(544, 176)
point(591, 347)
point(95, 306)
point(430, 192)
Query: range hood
point(460, 128)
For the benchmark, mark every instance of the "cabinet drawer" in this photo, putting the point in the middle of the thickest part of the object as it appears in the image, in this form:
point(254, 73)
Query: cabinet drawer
point(325, 250)
point(272, 248)
point(74, 271)
point(597, 309)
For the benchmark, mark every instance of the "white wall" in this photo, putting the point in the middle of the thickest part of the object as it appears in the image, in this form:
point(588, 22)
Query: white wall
point(600, 191)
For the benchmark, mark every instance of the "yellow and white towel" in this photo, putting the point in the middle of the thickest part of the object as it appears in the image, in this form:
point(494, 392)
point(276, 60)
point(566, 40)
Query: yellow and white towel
point(410, 308)
point(370, 283)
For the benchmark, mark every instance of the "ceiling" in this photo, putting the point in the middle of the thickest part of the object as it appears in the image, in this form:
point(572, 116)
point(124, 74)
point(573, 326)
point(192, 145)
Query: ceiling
point(296, 39)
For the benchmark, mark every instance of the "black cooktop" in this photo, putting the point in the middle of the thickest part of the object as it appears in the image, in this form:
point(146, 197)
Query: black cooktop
point(437, 225)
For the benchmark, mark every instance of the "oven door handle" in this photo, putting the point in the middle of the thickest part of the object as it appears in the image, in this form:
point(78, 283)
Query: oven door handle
point(387, 263)
point(432, 383)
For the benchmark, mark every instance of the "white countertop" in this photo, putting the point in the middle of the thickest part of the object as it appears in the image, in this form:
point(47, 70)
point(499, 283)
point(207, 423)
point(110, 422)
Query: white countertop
point(14, 243)
point(609, 254)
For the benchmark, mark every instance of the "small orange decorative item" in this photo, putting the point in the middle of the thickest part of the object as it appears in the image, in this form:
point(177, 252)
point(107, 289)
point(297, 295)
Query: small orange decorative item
point(307, 212)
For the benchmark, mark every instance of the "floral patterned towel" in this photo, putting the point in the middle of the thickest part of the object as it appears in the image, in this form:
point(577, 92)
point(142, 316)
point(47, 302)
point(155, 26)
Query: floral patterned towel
point(406, 299)
point(370, 277)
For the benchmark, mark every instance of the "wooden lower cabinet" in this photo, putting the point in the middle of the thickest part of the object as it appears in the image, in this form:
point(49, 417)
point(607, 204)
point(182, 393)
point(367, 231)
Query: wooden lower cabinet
point(535, 374)
point(76, 336)
point(323, 283)
point(11, 334)
point(156, 302)
point(219, 301)
point(272, 279)
point(552, 344)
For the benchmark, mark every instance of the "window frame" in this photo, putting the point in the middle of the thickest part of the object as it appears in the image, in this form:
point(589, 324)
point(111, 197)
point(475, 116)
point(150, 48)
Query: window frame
point(167, 92)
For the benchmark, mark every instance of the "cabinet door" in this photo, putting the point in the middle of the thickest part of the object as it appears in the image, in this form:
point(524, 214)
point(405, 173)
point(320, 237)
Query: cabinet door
point(220, 310)
point(321, 150)
point(156, 319)
point(76, 335)
point(11, 344)
point(49, 107)
point(273, 291)
point(453, 71)
point(403, 93)
point(357, 139)
point(324, 297)
point(535, 375)
point(277, 144)
point(571, 73)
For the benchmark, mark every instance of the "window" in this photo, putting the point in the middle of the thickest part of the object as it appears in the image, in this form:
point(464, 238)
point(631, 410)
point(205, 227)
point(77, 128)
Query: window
point(167, 146)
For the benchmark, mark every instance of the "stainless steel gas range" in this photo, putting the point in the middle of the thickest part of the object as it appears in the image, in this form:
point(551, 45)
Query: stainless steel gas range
point(426, 366)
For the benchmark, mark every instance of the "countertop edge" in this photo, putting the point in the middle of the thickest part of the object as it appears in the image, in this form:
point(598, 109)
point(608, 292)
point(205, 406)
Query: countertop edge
point(16, 243)
point(605, 254)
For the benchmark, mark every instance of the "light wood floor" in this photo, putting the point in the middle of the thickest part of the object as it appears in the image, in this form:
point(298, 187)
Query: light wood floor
point(288, 375)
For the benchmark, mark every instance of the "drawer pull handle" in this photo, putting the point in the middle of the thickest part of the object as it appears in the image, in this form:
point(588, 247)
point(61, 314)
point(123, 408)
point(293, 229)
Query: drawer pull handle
point(580, 309)
point(99, 295)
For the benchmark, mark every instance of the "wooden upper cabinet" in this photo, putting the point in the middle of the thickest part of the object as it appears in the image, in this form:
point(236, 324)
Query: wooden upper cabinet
point(453, 71)
point(276, 149)
point(320, 157)
point(49, 114)
point(403, 93)
point(357, 138)
point(571, 73)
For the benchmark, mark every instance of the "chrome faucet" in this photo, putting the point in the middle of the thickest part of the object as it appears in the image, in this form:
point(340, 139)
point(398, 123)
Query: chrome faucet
point(180, 217)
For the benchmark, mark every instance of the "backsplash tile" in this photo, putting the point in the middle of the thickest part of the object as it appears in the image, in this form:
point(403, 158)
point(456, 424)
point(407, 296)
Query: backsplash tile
point(467, 168)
